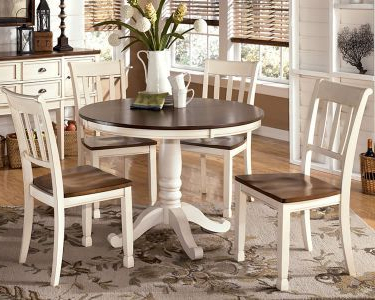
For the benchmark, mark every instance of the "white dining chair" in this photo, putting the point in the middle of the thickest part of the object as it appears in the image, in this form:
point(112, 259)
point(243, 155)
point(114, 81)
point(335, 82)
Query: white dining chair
point(332, 137)
point(241, 76)
point(88, 79)
point(80, 186)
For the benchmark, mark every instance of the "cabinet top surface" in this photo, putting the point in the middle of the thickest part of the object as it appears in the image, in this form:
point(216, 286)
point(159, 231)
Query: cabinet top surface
point(12, 55)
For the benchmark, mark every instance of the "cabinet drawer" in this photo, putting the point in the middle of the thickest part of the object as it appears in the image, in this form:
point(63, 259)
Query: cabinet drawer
point(50, 90)
point(10, 72)
point(12, 87)
point(41, 70)
point(68, 87)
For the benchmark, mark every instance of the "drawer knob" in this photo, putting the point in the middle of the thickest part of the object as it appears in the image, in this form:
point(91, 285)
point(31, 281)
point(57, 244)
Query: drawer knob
point(42, 91)
point(42, 70)
point(68, 77)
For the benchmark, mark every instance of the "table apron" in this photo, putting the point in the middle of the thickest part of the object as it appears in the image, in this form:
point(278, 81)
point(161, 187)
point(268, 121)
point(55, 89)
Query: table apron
point(174, 134)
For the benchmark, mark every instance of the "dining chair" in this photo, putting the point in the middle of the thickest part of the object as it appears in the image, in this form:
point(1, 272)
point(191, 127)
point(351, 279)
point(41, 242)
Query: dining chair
point(241, 76)
point(88, 79)
point(80, 186)
point(335, 115)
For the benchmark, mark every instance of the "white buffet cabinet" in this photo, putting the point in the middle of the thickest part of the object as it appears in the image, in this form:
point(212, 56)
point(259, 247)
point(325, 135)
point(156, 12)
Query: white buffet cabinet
point(43, 73)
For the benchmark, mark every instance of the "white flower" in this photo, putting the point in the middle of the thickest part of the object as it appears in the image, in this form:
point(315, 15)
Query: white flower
point(114, 39)
point(200, 26)
point(127, 11)
point(143, 24)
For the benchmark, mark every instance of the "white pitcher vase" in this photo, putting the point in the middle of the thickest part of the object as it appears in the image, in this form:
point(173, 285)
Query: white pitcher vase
point(158, 71)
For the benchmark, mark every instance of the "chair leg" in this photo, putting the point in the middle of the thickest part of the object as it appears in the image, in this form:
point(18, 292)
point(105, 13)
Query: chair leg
point(96, 163)
point(346, 239)
point(283, 241)
point(58, 245)
point(247, 158)
point(306, 229)
point(86, 225)
point(228, 174)
point(152, 175)
point(27, 226)
point(240, 225)
point(203, 159)
point(127, 228)
point(247, 155)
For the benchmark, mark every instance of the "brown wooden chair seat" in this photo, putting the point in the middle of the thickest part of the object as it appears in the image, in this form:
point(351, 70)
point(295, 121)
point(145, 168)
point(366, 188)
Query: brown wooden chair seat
point(83, 180)
point(226, 143)
point(289, 187)
point(113, 142)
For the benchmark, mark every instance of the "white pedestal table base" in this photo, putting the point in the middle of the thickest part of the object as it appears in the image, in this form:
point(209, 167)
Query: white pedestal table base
point(169, 209)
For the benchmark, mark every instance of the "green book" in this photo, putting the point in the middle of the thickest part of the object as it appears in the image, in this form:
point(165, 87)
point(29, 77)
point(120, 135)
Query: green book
point(150, 101)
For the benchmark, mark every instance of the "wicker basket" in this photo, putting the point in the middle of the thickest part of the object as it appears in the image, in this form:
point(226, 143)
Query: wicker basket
point(2, 151)
point(70, 143)
point(13, 152)
point(368, 174)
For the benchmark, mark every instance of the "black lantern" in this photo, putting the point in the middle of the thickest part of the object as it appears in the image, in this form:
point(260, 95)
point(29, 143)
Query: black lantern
point(25, 37)
point(43, 16)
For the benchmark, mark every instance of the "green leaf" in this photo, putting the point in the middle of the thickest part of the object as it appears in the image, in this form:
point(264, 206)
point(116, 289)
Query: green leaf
point(129, 45)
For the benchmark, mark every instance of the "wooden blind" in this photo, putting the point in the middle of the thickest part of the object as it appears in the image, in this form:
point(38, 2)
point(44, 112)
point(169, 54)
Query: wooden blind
point(198, 9)
point(101, 10)
point(263, 22)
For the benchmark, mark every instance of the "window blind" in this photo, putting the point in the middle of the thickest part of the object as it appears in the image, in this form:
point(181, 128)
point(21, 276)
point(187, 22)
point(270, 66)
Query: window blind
point(198, 9)
point(101, 10)
point(263, 22)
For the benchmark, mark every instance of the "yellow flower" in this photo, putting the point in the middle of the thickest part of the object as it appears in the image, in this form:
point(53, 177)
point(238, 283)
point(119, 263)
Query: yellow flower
point(180, 13)
point(133, 2)
point(150, 13)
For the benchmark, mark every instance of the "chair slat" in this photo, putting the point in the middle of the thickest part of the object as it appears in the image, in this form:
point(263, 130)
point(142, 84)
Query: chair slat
point(229, 88)
point(241, 92)
point(323, 122)
point(86, 91)
point(112, 88)
point(99, 89)
point(346, 126)
point(30, 134)
point(335, 127)
point(40, 138)
point(217, 87)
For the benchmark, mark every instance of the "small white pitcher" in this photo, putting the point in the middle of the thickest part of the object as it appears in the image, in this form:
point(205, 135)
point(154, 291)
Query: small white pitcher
point(180, 96)
point(178, 81)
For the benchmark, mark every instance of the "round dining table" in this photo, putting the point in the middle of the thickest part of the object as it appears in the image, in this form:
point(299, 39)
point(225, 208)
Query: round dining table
point(202, 118)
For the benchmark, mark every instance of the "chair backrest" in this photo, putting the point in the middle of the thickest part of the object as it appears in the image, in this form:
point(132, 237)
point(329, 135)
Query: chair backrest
point(36, 138)
point(87, 80)
point(247, 72)
point(336, 112)
point(88, 77)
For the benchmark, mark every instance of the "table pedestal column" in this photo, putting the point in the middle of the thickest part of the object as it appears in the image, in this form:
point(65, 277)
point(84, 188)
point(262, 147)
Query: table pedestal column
point(169, 209)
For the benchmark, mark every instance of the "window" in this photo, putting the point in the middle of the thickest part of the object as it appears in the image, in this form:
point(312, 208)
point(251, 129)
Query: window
point(196, 48)
point(97, 11)
point(274, 60)
point(261, 29)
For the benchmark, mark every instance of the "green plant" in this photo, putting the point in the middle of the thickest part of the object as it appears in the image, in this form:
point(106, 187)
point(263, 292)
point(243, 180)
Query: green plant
point(148, 28)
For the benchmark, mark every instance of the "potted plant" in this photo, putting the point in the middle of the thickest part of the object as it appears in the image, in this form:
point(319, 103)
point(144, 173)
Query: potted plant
point(156, 35)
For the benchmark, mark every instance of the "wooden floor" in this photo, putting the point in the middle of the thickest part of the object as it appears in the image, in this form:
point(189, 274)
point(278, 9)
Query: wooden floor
point(269, 156)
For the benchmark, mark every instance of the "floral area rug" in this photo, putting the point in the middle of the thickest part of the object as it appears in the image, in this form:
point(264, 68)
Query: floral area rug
point(163, 271)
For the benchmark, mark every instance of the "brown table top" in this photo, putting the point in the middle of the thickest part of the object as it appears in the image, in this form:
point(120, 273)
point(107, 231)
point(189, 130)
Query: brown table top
point(199, 114)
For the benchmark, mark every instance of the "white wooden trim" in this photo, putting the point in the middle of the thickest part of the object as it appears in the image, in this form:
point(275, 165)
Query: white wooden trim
point(273, 133)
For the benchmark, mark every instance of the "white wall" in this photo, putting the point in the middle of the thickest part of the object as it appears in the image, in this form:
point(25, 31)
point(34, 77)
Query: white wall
point(75, 31)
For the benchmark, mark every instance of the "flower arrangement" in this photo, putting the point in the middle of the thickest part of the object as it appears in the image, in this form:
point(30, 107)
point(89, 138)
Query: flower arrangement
point(147, 25)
